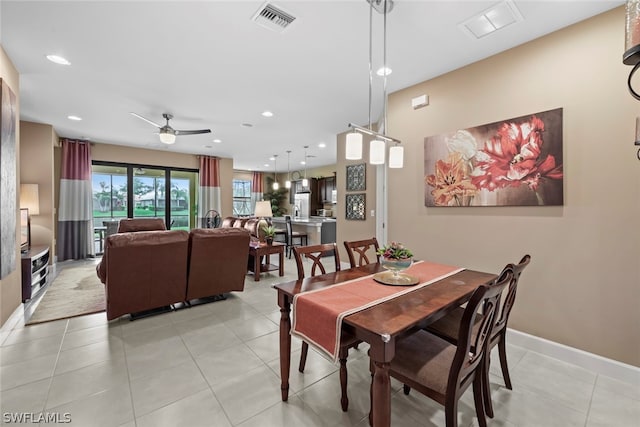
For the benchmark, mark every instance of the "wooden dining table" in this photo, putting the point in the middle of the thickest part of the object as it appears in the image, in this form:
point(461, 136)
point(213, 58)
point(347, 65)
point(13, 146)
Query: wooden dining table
point(382, 325)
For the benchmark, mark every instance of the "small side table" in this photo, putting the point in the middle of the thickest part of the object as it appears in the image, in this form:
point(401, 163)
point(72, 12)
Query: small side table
point(266, 251)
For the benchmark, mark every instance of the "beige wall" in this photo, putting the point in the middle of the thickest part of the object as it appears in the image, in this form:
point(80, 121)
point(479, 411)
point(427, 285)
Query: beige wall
point(36, 167)
point(582, 288)
point(10, 286)
point(348, 230)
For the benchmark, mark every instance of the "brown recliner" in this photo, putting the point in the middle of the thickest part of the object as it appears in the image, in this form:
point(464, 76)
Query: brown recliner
point(140, 224)
point(128, 225)
point(217, 261)
point(144, 270)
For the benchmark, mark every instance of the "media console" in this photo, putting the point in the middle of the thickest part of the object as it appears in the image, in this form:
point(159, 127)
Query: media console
point(35, 270)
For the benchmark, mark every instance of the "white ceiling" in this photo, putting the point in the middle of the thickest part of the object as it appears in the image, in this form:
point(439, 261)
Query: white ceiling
point(211, 66)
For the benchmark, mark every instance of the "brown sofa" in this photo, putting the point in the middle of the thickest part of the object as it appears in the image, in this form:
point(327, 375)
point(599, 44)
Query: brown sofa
point(144, 270)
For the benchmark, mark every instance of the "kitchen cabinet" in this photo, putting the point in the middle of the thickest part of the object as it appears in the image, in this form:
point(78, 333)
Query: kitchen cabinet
point(325, 187)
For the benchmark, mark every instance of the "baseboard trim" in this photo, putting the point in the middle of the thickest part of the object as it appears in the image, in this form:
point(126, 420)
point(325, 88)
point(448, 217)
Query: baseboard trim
point(601, 365)
point(12, 321)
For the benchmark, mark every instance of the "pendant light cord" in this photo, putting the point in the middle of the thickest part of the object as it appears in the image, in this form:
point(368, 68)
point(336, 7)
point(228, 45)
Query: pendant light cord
point(384, 71)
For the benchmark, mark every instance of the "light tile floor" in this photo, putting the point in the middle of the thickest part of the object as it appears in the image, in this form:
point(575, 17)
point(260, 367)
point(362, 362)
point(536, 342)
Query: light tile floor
point(217, 365)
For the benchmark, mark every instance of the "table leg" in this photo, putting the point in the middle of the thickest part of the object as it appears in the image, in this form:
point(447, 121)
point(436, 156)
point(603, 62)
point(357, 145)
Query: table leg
point(256, 267)
point(281, 262)
point(380, 395)
point(285, 344)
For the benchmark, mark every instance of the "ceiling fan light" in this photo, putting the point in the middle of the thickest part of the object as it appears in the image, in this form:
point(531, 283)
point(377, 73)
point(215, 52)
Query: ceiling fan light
point(396, 157)
point(353, 149)
point(167, 138)
point(376, 152)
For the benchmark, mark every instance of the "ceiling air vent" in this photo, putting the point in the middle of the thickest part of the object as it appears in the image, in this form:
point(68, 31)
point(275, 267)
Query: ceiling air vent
point(273, 18)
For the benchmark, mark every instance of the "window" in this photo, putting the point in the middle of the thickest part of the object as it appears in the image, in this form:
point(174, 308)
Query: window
point(109, 196)
point(241, 197)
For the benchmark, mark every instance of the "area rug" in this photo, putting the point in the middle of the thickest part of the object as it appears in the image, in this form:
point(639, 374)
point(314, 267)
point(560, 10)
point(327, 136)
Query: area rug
point(76, 291)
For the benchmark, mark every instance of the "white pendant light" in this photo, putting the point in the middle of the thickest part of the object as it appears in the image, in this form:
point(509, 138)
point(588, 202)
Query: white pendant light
point(287, 183)
point(396, 157)
point(354, 146)
point(377, 147)
point(305, 181)
point(377, 150)
point(275, 178)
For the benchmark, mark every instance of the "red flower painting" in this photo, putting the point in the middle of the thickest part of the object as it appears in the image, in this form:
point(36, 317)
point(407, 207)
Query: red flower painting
point(503, 163)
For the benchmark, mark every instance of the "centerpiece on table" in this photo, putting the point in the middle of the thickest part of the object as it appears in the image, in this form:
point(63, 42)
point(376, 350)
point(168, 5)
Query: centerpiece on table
point(395, 258)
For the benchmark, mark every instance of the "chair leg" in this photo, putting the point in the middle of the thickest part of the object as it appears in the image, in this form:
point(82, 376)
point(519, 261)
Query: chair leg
point(502, 351)
point(478, 399)
point(486, 386)
point(451, 411)
point(406, 389)
point(344, 400)
point(303, 356)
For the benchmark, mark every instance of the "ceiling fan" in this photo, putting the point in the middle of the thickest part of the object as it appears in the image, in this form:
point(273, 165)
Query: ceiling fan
point(167, 133)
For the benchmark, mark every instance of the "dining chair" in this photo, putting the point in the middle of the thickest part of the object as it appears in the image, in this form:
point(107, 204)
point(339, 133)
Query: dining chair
point(291, 236)
point(361, 247)
point(443, 371)
point(315, 253)
point(448, 328)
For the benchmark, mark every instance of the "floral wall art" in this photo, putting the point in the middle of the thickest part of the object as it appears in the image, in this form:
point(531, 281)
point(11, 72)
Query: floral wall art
point(514, 162)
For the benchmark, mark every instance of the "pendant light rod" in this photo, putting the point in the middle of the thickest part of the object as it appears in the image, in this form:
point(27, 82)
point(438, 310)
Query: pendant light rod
point(373, 133)
point(370, 59)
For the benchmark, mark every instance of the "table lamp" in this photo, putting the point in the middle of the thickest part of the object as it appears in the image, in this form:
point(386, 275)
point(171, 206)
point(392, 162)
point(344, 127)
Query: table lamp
point(263, 210)
point(30, 200)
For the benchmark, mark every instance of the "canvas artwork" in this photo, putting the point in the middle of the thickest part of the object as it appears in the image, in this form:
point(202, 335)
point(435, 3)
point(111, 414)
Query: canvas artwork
point(514, 162)
point(357, 177)
point(8, 211)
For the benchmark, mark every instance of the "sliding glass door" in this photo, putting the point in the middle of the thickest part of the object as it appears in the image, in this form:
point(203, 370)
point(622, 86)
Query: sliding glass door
point(138, 191)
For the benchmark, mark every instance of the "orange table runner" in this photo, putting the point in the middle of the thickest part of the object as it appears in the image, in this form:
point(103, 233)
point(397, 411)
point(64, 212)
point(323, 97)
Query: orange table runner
point(317, 315)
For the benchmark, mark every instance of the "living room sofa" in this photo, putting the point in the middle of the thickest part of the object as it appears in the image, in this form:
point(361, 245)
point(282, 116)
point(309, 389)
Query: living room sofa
point(145, 270)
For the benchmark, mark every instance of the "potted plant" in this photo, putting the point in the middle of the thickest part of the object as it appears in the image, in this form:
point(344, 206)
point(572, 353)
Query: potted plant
point(269, 234)
point(395, 257)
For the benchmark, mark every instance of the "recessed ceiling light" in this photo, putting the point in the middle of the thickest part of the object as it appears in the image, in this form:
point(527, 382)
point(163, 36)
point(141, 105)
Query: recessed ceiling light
point(272, 158)
point(384, 71)
point(217, 141)
point(76, 118)
point(267, 114)
point(303, 162)
point(322, 145)
point(247, 125)
point(58, 59)
point(266, 165)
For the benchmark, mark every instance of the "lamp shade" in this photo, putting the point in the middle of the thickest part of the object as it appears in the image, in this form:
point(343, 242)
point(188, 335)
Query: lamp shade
point(354, 146)
point(396, 157)
point(276, 185)
point(167, 138)
point(377, 152)
point(263, 209)
point(287, 184)
point(29, 198)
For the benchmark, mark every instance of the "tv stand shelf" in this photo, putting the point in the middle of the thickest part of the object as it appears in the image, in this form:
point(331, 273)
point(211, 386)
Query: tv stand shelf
point(35, 270)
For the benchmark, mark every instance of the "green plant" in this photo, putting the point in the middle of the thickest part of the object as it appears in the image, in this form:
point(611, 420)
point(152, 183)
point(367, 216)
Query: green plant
point(395, 251)
point(269, 231)
point(276, 197)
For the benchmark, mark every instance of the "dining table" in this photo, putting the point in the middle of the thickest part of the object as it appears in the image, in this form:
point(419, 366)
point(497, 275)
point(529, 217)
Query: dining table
point(380, 325)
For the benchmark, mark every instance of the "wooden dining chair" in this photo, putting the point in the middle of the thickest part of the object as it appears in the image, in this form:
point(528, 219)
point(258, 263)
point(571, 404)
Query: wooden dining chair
point(315, 253)
point(448, 329)
point(291, 237)
point(443, 371)
point(362, 248)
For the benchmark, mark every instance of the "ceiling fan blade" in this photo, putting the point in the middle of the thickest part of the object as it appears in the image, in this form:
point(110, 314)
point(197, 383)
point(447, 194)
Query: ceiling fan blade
point(145, 119)
point(192, 132)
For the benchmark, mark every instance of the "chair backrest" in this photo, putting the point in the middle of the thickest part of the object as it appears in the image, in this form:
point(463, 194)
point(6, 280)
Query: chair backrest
point(509, 300)
point(289, 230)
point(315, 253)
point(130, 225)
point(473, 341)
point(360, 247)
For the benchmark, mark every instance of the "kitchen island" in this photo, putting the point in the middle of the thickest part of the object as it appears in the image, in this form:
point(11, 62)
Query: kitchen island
point(319, 229)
